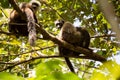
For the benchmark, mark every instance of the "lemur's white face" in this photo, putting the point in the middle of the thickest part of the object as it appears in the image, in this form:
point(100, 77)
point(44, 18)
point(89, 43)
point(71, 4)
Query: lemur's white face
point(35, 5)
point(59, 23)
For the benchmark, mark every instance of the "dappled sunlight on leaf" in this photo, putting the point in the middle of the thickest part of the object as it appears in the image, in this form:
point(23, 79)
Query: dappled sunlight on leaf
point(8, 76)
point(50, 70)
point(108, 71)
point(47, 67)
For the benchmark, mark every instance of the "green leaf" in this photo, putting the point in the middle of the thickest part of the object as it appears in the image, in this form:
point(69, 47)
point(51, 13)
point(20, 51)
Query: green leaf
point(59, 76)
point(50, 70)
point(110, 70)
point(47, 67)
point(8, 76)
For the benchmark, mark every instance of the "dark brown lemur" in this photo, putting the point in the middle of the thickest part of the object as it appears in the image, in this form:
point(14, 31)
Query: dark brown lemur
point(76, 36)
point(20, 26)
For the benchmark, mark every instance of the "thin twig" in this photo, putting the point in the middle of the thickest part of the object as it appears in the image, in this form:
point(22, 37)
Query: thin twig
point(34, 58)
point(7, 33)
point(33, 51)
point(3, 12)
point(107, 35)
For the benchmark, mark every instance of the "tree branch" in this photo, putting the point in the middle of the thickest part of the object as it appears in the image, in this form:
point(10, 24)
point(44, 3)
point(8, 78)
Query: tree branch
point(16, 7)
point(86, 52)
point(7, 33)
point(34, 58)
point(109, 13)
point(107, 35)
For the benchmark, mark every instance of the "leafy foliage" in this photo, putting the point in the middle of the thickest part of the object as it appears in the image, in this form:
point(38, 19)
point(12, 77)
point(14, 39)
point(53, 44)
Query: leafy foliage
point(84, 13)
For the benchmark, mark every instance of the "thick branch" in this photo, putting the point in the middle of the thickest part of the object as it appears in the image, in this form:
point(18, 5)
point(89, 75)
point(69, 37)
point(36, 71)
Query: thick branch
point(88, 53)
point(16, 7)
point(109, 12)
